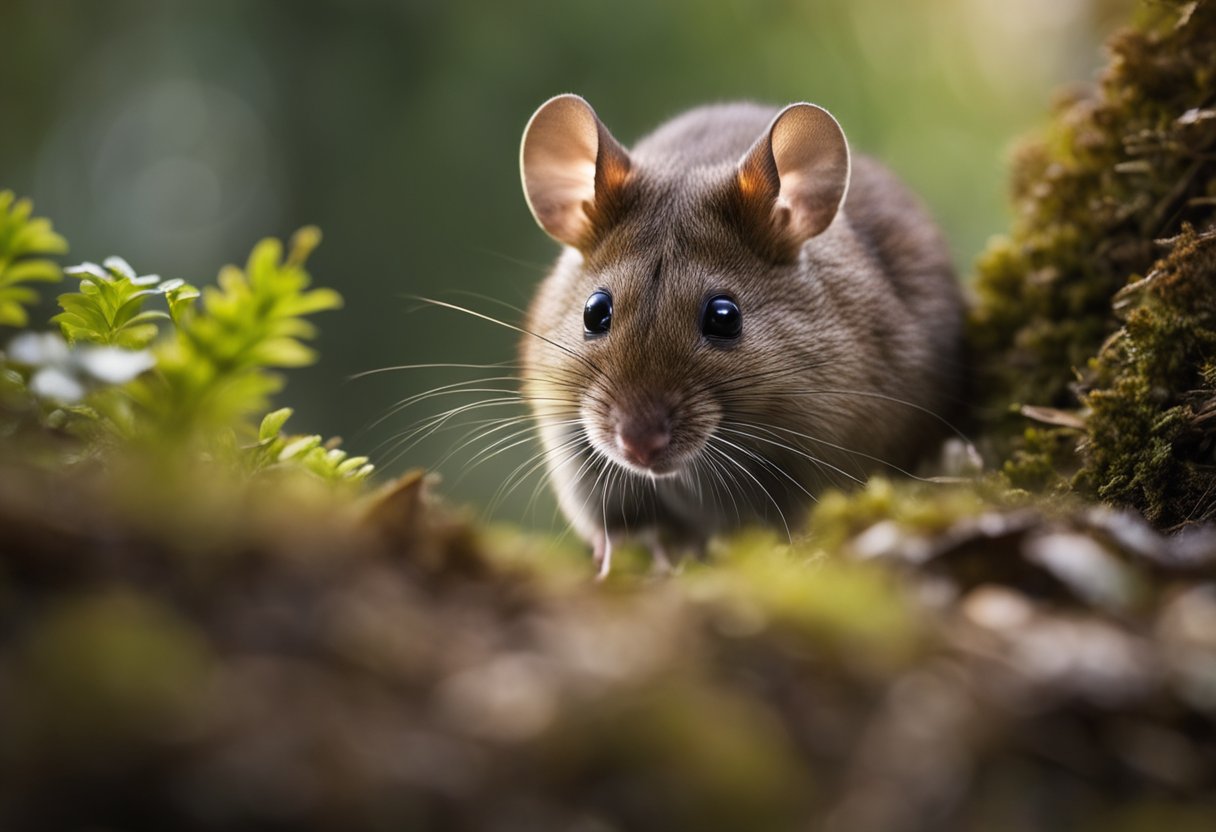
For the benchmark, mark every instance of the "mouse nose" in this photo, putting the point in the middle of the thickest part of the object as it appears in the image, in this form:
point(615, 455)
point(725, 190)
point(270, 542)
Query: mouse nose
point(643, 439)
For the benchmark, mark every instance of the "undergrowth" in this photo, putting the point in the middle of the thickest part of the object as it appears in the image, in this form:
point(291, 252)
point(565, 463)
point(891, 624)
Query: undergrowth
point(159, 369)
point(1092, 326)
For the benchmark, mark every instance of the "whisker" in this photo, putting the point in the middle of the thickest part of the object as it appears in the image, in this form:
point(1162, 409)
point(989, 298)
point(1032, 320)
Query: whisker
point(581, 359)
point(893, 399)
point(503, 444)
point(799, 451)
point(768, 463)
point(501, 365)
point(749, 379)
point(789, 535)
point(769, 428)
point(467, 469)
point(743, 468)
point(491, 299)
point(454, 389)
point(429, 427)
point(483, 431)
point(568, 451)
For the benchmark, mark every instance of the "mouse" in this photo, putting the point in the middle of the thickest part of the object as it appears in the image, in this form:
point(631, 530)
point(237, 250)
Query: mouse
point(743, 314)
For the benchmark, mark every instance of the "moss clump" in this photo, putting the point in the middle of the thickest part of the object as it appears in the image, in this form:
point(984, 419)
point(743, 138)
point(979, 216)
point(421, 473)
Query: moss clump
point(1152, 400)
point(922, 509)
point(854, 611)
point(1032, 463)
point(1113, 173)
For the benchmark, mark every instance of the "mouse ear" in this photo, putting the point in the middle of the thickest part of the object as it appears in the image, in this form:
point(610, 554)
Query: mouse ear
point(793, 179)
point(573, 170)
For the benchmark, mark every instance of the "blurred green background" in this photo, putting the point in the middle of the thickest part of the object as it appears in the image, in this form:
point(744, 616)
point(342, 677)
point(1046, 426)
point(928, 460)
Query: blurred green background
point(178, 133)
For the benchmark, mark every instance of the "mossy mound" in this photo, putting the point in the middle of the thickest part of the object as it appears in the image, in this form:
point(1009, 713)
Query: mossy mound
point(384, 664)
point(1116, 174)
point(1149, 439)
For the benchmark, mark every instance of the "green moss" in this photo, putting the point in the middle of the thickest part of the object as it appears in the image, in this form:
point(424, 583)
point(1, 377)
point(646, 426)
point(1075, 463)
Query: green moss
point(847, 609)
point(924, 509)
point(1153, 395)
point(1035, 463)
point(112, 667)
point(1112, 173)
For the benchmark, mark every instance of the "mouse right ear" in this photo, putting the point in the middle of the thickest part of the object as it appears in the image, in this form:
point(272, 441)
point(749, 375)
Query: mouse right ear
point(573, 170)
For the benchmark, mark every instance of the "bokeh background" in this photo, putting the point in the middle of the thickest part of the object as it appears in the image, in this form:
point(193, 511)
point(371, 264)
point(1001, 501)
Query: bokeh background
point(178, 133)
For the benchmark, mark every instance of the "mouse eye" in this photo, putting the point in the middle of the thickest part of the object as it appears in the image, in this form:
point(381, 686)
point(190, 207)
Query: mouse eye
point(597, 313)
point(722, 318)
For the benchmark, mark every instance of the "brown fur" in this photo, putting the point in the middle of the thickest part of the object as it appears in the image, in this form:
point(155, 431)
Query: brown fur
point(849, 342)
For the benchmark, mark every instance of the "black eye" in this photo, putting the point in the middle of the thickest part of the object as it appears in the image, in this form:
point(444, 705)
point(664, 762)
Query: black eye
point(597, 313)
point(722, 318)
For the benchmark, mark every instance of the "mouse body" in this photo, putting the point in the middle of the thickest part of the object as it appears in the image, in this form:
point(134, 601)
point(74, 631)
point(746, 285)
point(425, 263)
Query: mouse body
point(743, 315)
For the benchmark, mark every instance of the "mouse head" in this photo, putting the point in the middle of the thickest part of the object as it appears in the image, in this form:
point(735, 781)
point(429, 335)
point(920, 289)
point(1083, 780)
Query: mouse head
point(675, 314)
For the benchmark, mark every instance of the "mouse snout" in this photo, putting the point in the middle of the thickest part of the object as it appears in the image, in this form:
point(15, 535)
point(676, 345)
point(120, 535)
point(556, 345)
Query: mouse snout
point(644, 436)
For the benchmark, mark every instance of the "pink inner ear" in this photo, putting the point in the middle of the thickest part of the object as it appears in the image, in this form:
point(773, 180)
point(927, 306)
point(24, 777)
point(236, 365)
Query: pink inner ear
point(558, 163)
point(812, 160)
point(558, 202)
point(807, 204)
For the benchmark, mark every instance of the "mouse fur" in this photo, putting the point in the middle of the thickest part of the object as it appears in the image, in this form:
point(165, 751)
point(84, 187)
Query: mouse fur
point(849, 360)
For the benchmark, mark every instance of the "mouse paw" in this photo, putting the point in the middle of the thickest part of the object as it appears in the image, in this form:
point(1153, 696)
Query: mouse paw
point(602, 555)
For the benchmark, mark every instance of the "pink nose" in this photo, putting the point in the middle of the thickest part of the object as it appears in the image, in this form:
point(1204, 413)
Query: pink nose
point(643, 440)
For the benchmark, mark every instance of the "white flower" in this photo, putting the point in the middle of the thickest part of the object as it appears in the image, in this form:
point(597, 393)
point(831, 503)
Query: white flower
point(63, 373)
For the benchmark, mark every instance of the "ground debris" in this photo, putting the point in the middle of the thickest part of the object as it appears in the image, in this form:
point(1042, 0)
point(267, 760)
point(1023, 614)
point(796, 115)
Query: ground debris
point(929, 675)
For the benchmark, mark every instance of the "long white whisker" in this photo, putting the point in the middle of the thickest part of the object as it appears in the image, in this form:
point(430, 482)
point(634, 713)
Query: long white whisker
point(501, 365)
point(400, 444)
point(724, 472)
point(534, 462)
point(799, 451)
point(769, 428)
point(455, 389)
point(888, 398)
point(581, 359)
point(759, 484)
point(767, 463)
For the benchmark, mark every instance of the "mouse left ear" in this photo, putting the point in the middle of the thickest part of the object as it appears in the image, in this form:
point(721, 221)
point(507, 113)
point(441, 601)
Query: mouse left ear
point(793, 180)
point(573, 170)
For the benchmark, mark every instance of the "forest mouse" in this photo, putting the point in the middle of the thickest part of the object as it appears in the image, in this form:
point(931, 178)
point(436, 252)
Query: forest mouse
point(743, 314)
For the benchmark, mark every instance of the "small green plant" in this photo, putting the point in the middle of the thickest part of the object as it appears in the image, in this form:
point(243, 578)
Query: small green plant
point(275, 450)
point(108, 309)
point(184, 381)
point(25, 244)
point(218, 366)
